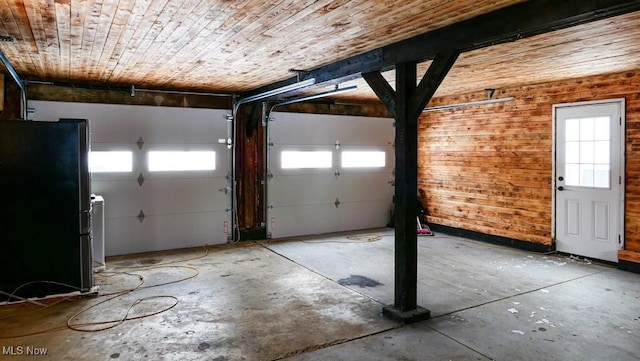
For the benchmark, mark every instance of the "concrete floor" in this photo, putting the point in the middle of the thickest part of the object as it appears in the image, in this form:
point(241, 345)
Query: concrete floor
point(320, 298)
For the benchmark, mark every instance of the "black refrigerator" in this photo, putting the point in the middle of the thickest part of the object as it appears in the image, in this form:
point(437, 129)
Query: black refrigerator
point(45, 231)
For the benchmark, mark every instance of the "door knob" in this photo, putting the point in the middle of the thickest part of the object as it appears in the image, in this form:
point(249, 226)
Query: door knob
point(561, 188)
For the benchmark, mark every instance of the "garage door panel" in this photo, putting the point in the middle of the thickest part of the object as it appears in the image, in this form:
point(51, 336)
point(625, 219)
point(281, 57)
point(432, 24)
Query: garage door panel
point(164, 232)
point(301, 220)
point(303, 189)
point(363, 215)
point(181, 208)
point(364, 131)
point(162, 196)
point(293, 128)
point(118, 123)
point(365, 186)
point(305, 129)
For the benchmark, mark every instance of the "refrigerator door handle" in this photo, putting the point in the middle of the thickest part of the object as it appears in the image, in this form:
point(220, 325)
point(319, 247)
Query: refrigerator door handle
point(85, 222)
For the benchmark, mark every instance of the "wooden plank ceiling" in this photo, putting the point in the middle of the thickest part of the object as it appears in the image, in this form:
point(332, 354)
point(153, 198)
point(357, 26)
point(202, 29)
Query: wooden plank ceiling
point(235, 46)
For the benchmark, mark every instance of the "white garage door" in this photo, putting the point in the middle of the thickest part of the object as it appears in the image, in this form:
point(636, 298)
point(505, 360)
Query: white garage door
point(328, 173)
point(167, 189)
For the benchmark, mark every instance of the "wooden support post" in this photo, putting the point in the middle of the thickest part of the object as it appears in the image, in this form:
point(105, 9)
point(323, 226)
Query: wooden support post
point(405, 308)
point(406, 193)
point(406, 103)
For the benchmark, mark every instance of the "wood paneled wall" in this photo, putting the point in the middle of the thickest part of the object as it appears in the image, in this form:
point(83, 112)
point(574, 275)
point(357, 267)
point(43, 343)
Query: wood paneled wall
point(11, 103)
point(489, 168)
point(1, 92)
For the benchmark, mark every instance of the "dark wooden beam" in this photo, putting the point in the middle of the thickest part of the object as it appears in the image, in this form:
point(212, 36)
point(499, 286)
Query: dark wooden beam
point(511, 23)
point(432, 79)
point(383, 90)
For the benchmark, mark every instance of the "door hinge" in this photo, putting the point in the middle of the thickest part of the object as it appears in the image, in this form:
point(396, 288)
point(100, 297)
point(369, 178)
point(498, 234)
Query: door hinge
point(619, 239)
point(619, 179)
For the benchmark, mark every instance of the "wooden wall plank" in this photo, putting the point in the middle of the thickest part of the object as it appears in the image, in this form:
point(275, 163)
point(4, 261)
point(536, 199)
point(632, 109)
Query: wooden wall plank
point(488, 168)
point(1, 92)
point(630, 256)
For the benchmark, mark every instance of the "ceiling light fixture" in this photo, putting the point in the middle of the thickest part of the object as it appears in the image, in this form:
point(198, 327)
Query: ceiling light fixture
point(8, 39)
point(318, 95)
point(273, 92)
point(490, 100)
point(469, 104)
point(311, 97)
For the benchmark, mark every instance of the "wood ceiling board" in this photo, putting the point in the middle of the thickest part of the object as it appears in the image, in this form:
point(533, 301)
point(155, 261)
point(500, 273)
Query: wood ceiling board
point(235, 46)
point(500, 26)
point(208, 45)
point(607, 46)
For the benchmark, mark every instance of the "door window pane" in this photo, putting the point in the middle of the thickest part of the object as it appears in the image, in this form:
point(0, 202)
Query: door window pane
point(586, 175)
point(572, 129)
point(587, 152)
point(587, 130)
point(601, 128)
point(601, 151)
point(572, 152)
point(572, 174)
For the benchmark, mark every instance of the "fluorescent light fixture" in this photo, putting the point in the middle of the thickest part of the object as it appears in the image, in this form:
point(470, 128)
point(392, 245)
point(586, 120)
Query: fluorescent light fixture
point(317, 95)
point(312, 96)
point(469, 104)
point(284, 89)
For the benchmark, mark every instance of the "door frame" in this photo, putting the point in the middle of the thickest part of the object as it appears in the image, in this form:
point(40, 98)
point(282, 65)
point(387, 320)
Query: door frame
point(623, 142)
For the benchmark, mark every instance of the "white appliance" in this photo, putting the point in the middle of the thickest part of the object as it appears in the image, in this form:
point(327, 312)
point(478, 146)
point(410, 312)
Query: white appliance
point(97, 226)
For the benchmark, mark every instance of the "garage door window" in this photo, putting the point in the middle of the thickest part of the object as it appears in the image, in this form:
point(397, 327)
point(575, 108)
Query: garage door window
point(171, 161)
point(110, 161)
point(305, 159)
point(363, 159)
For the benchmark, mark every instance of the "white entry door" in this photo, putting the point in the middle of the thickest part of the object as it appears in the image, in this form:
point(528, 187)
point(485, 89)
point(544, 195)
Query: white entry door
point(589, 178)
point(328, 173)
